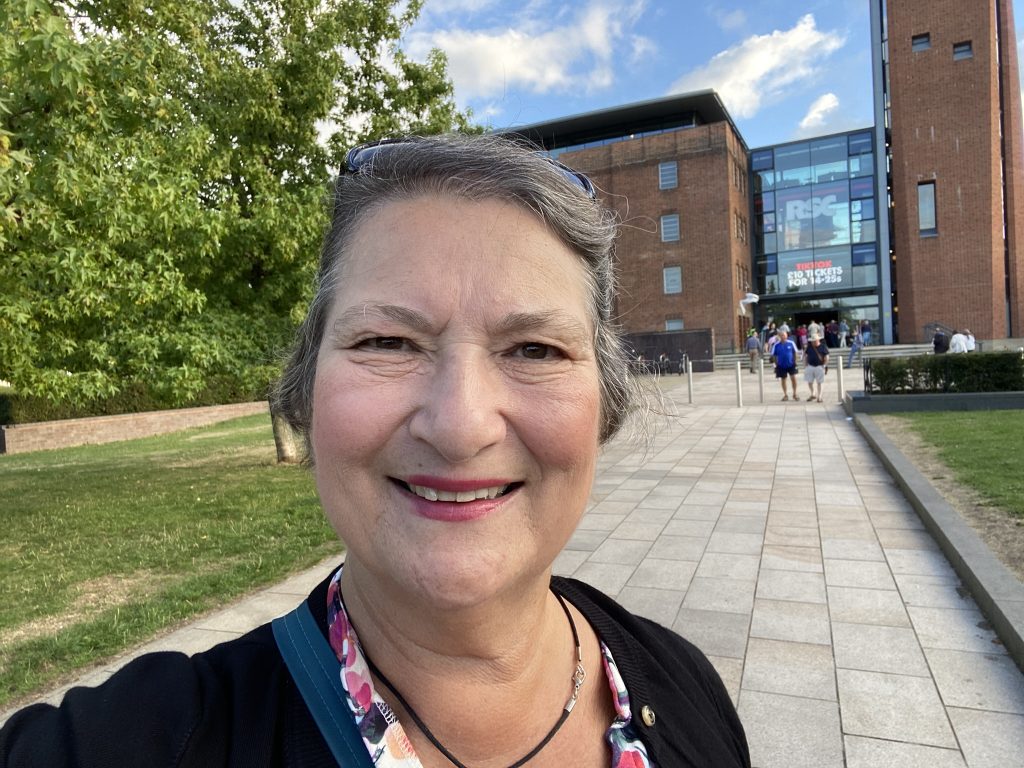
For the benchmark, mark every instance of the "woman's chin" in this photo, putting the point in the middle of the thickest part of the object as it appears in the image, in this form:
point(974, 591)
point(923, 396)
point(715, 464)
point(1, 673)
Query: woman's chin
point(455, 582)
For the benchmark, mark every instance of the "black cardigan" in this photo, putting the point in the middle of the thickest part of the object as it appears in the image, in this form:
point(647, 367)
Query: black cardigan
point(236, 704)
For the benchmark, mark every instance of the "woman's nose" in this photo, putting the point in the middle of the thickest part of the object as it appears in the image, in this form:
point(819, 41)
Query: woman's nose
point(463, 408)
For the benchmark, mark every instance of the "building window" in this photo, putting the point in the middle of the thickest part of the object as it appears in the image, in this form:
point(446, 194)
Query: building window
point(670, 228)
point(926, 222)
point(859, 143)
point(962, 50)
point(761, 160)
point(740, 226)
point(921, 42)
point(672, 279)
point(674, 324)
point(668, 175)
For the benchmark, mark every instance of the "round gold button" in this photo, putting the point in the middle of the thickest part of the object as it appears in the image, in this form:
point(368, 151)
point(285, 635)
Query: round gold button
point(647, 715)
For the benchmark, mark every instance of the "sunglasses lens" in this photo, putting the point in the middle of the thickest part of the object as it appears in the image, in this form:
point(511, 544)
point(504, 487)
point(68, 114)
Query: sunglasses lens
point(580, 180)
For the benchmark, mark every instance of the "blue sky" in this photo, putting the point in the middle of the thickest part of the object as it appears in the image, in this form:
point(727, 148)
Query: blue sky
point(785, 69)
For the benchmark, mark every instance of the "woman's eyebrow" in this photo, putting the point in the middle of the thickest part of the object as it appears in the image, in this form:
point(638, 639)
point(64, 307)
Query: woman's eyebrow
point(552, 321)
point(402, 315)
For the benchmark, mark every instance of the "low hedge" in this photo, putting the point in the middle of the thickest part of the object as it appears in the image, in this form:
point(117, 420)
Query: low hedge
point(979, 372)
point(134, 397)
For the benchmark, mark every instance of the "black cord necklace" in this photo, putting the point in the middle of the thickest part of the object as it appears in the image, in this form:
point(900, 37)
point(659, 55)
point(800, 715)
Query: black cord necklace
point(577, 680)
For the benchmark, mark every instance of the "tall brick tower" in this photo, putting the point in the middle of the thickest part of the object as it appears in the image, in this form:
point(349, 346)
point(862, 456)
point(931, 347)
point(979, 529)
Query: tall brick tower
point(949, 70)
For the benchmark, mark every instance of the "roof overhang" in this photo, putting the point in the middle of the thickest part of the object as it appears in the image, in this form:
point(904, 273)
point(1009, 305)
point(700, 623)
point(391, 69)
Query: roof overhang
point(626, 120)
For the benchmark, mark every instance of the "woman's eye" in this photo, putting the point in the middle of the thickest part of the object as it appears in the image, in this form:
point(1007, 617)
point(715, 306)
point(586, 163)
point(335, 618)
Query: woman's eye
point(386, 343)
point(535, 351)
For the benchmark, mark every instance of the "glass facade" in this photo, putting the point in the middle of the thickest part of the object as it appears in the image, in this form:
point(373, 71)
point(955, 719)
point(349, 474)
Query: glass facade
point(816, 217)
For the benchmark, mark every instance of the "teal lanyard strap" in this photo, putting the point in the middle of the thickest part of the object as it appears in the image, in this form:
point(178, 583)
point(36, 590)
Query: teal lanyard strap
point(316, 671)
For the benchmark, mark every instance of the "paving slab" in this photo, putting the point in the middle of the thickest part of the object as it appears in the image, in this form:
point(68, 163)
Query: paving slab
point(894, 707)
point(791, 732)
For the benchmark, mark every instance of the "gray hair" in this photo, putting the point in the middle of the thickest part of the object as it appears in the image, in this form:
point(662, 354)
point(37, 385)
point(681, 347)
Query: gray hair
point(471, 168)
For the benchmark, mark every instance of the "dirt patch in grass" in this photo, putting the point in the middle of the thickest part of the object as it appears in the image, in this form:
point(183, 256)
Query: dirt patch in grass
point(1003, 533)
point(92, 597)
point(255, 454)
point(207, 435)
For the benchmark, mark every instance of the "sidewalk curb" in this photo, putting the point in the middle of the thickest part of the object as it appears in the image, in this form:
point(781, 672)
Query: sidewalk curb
point(997, 591)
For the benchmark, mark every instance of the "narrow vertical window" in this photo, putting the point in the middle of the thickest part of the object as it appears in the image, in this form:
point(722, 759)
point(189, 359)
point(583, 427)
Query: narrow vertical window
point(672, 279)
point(921, 42)
point(962, 50)
point(670, 228)
point(668, 175)
point(926, 221)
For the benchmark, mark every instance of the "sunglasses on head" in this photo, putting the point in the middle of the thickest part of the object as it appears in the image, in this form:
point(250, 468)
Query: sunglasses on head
point(361, 157)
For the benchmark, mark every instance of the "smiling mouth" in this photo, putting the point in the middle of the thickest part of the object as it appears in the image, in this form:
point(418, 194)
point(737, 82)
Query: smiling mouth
point(459, 497)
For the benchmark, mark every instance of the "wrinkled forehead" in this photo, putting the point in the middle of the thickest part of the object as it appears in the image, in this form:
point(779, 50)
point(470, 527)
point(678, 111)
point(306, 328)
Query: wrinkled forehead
point(508, 225)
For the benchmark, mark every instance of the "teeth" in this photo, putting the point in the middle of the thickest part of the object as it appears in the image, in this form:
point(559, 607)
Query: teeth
point(432, 494)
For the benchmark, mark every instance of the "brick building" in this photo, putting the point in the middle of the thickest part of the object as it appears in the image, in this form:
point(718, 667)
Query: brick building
point(676, 171)
point(949, 72)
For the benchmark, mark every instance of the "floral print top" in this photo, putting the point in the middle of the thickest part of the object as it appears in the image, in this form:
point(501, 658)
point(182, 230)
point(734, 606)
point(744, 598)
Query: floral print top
point(384, 736)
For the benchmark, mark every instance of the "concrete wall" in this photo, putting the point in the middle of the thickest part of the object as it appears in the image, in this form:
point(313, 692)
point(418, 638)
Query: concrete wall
point(47, 435)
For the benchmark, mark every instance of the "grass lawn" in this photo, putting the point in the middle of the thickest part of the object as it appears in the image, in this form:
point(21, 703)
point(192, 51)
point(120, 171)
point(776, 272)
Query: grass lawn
point(983, 449)
point(104, 546)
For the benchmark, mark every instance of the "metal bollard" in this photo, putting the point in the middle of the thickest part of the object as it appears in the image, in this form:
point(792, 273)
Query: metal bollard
point(689, 380)
point(739, 384)
point(760, 379)
point(839, 370)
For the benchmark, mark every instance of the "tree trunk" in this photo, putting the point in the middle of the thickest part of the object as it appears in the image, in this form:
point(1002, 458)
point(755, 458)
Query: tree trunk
point(285, 440)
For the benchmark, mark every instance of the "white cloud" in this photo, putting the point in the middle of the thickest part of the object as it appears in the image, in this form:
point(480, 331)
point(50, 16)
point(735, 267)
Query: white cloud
point(641, 48)
point(581, 52)
point(763, 68)
point(443, 7)
point(817, 113)
point(730, 20)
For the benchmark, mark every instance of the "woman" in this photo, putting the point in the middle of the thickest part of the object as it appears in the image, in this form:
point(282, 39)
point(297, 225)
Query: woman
point(454, 380)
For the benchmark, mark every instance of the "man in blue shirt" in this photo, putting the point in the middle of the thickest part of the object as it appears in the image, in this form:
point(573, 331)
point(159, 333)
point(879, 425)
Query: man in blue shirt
point(785, 363)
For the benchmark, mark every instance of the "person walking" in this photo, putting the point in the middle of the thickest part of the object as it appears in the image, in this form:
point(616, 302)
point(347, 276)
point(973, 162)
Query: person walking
point(785, 363)
point(815, 364)
point(753, 349)
point(844, 331)
point(865, 333)
point(971, 343)
point(958, 344)
point(856, 348)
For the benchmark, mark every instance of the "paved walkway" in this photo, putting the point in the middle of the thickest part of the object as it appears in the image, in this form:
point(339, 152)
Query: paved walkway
point(772, 537)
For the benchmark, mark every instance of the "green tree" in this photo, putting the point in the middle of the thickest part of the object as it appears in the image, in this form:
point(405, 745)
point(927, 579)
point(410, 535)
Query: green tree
point(163, 174)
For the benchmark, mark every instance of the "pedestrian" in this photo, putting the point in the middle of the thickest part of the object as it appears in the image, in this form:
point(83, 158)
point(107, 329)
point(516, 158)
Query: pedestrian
point(958, 344)
point(865, 333)
point(815, 328)
point(856, 348)
point(971, 344)
point(815, 366)
point(844, 332)
point(940, 342)
point(832, 334)
point(753, 350)
point(801, 337)
point(785, 353)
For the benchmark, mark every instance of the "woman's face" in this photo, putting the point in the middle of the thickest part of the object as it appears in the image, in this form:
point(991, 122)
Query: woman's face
point(456, 406)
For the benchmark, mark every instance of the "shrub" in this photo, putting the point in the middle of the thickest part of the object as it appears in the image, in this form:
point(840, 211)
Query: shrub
point(984, 372)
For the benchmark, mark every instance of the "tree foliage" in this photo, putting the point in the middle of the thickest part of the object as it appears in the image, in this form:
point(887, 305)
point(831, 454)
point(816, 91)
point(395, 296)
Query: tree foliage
point(163, 170)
